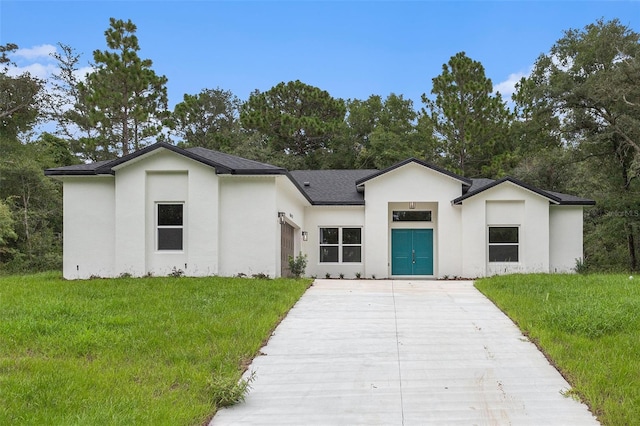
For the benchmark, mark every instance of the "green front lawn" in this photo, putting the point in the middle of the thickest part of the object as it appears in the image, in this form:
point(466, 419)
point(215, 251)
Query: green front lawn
point(589, 326)
point(130, 351)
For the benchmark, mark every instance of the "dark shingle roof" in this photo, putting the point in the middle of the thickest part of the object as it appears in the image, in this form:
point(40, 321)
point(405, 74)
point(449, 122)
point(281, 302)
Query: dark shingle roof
point(320, 187)
point(480, 185)
point(331, 187)
point(77, 169)
point(237, 165)
point(223, 163)
point(572, 200)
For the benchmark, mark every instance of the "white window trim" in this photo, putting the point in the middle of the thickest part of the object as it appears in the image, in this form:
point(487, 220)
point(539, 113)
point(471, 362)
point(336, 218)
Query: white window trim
point(158, 226)
point(340, 245)
point(518, 244)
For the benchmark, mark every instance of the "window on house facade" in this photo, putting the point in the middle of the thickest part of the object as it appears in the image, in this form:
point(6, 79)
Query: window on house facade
point(170, 221)
point(412, 215)
point(503, 244)
point(340, 245)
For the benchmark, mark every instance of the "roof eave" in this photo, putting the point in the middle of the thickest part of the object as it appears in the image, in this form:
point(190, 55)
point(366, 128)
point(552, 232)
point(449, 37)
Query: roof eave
point(461, 179)
point(552, 198)
point(338, 203)
point(59, 173)
point(254, 172)
point(578, 203)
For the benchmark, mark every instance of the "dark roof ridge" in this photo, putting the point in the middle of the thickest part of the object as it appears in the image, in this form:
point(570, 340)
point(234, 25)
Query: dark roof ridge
point(234, 165)
point(464, 180)
point(556, 197)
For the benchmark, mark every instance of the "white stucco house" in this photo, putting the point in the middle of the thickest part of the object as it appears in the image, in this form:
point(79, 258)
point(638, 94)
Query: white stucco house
point(208, 213)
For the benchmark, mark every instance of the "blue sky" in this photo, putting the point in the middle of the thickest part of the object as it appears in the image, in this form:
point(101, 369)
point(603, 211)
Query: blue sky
point(351, 49)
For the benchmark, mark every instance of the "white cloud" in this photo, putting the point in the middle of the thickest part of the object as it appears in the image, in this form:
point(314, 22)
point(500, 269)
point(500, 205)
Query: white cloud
point(38, 70)
point(42, 51)
point(508, 86)
point(81, 73)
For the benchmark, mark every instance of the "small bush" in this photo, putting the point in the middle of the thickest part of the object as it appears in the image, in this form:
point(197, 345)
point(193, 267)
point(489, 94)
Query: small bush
point(261, 276)
point(327, 275)
point(176, 273)
point(358, 275)
point(298, 265)
point(227, 392)
point(581, 266)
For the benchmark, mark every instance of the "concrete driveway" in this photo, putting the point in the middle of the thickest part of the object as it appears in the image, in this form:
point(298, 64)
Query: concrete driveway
point(402, 353)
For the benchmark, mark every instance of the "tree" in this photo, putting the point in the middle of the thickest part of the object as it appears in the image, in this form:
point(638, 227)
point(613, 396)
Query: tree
point(590, 81)
point(470, 124)
point(209, 119)
point(6, 229)
point(385, 131)
point(19, 98)
point(35, 202)
point(126, 100)
point(297, 120)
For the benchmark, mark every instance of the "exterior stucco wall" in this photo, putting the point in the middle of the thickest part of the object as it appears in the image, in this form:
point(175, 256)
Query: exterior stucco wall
point(89, 221)
point(505, 205)
point(317, 217)
point(249, 229)
point(166, 177)
point(412, 182)
point(474, 238)
point(566, 237)
point(167, 187)
point(231, 223)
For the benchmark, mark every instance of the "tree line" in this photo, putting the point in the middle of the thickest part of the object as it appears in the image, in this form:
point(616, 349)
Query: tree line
point(572, 125)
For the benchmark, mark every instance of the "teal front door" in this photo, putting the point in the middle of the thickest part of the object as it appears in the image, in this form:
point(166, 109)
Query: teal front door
point(412, 252)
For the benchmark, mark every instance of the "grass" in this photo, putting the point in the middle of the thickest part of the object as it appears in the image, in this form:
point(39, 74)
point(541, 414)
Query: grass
point(589, 326)
point(161, 351)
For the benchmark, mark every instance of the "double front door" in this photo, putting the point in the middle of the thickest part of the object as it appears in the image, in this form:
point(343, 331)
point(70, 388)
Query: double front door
point(412, 252)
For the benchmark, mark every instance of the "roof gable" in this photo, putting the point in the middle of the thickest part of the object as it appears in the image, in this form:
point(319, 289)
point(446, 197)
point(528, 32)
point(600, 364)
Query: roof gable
point(223, 163)
point(465, 181)
point(319, 187)
point(481, 185)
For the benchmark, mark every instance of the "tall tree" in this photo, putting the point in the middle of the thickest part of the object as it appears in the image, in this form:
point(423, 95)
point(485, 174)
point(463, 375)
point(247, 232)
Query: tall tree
point(209, 119)
point(298, 120)
point(20, 101)
point(385, 131)
point(590, 78)
point(127, 100)
point(35, 203)
point(470, 123)
point(7, 232)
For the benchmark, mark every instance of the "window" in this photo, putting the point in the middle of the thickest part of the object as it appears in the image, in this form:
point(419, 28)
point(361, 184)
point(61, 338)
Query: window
point(340, 245)
point(503, 244)
point(170, 226)
point(412, 215)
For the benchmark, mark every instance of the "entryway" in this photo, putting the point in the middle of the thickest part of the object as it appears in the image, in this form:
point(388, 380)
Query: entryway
point(412, 252)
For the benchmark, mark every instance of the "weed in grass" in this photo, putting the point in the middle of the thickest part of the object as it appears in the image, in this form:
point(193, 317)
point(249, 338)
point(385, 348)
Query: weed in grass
point(226, 392)
point(176, 273)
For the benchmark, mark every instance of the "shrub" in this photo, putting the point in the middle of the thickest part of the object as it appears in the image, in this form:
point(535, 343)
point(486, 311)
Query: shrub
point(176, 273)
point(298, 265)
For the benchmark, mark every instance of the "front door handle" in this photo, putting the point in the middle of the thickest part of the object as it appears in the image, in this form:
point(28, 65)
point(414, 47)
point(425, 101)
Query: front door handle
point(413, 256)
